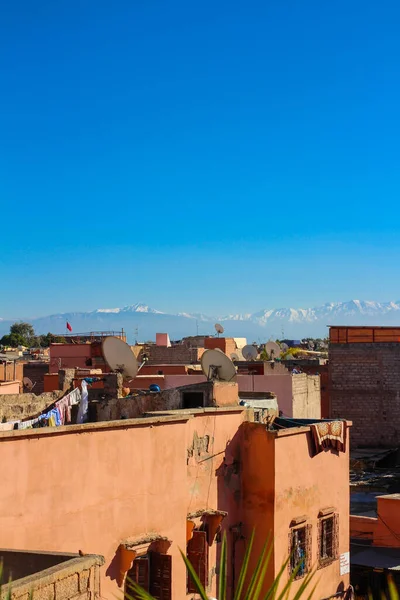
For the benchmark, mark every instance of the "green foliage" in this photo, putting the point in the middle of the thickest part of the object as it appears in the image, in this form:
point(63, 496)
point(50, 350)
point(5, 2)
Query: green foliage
point(23, 334)
point(249, 585)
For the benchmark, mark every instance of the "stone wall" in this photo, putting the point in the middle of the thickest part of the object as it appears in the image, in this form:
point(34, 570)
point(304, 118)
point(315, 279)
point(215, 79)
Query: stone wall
point(76, 579)
point(364, 388)
point(21, 406)
point(306, 396)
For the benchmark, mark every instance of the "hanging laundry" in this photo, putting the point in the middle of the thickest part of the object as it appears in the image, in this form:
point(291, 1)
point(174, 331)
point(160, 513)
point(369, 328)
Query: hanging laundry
point(84, 405)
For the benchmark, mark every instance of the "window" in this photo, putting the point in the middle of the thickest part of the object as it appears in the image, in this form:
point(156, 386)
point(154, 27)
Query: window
point(300, 550)
point(152, 572)
point(192, 399)
point(197, 553)
point(328, 539)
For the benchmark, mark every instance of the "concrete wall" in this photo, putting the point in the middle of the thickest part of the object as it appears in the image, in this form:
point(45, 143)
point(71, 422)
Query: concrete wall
point(365, 388)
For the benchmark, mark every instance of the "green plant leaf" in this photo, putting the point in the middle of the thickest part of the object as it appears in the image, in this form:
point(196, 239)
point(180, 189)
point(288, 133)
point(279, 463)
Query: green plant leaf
point(193, 574)
point(223, 570)
point(244, 568)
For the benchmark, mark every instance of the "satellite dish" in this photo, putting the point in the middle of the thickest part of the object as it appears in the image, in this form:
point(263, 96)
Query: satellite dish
point(234, 357)
point(218, 328)
point(273, 349)
point(119, 357)
point(284, 347)
point(250, 352)
point(28, 383)
point(216, 365)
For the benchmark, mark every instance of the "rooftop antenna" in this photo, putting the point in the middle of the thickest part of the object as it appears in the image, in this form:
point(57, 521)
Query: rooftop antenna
point(250, 352)
point(217, 366)
point(119, 357)
point(284, 347)
point(273, 350)
point(218, 328)
point(234, 357)
point(28, 383)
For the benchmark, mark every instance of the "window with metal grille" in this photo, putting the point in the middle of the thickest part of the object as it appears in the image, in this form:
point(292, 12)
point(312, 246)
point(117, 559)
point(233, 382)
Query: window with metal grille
point(300, 550)
point(197, 553)
point(328, 539)
point(153, 573)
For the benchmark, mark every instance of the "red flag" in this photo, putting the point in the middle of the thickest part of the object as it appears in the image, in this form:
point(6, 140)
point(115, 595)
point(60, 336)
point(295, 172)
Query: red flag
point(69, 327)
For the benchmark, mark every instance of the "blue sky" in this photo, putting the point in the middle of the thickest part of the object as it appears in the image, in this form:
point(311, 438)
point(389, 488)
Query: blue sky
point(216, 156)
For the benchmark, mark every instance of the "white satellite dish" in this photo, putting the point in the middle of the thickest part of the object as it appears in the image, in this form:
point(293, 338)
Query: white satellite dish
point(216, 365)
point(234, 357)
point(284, 347)
point(218, 328)
point(250, 352)
point(119, 357)
point(273, 349)
point(28, 383)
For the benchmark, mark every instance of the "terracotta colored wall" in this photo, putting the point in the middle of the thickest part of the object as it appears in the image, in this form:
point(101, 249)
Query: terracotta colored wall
point(9, 387)
point(212, 481)
point(69, 355)
point(106, 482)
point(50, 382)
point(388, 525)
point(363, 527)
point(304, 484)
point(102, 485)
point(10, 373)
point(258, 477)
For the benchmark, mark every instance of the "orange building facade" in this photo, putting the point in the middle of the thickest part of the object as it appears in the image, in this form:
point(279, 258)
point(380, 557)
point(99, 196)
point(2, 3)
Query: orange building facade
point(136, 491)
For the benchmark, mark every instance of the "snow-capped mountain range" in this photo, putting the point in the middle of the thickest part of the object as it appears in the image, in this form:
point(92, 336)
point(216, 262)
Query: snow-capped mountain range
point(142, 322)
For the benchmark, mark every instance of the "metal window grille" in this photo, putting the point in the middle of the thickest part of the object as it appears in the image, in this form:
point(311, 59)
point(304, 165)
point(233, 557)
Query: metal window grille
point(300, 551)
point(328, 540)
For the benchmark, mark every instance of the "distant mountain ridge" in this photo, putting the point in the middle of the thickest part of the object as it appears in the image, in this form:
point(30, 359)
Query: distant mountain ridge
point(143, 322)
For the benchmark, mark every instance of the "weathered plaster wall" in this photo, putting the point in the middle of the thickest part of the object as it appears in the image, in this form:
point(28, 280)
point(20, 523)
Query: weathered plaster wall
point(306, 396)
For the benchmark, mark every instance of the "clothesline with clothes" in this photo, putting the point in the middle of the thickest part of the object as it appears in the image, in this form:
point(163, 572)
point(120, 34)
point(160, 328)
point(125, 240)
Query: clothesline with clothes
point(57, 414)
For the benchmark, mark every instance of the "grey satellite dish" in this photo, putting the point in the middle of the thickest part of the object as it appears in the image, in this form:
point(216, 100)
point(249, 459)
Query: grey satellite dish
point(250, 352)
point(284, 347)
point(28, 383)
point(234, 357)
point(218, 328)
point(119, 357)
point(273, 349)
point(216, 365)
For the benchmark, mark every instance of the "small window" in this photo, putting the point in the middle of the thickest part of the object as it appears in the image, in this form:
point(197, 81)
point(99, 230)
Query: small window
point(328, 540)
point(153, 573)
point(300, 550)
point(192, 399)
point(197, 553)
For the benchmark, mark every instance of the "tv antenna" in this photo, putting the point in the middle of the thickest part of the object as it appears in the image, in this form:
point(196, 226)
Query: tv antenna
point(28, 383)
point(273, 350)
point(218, 328)
point(217, 366)
point(119, 357)
point(249, 352)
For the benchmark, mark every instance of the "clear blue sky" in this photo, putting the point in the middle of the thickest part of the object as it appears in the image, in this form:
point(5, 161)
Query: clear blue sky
point(211, 156)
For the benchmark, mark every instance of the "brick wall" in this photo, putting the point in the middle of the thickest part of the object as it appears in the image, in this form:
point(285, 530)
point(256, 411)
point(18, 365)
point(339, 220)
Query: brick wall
point(365, 388)
point(179, 354)
point(36, 373)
